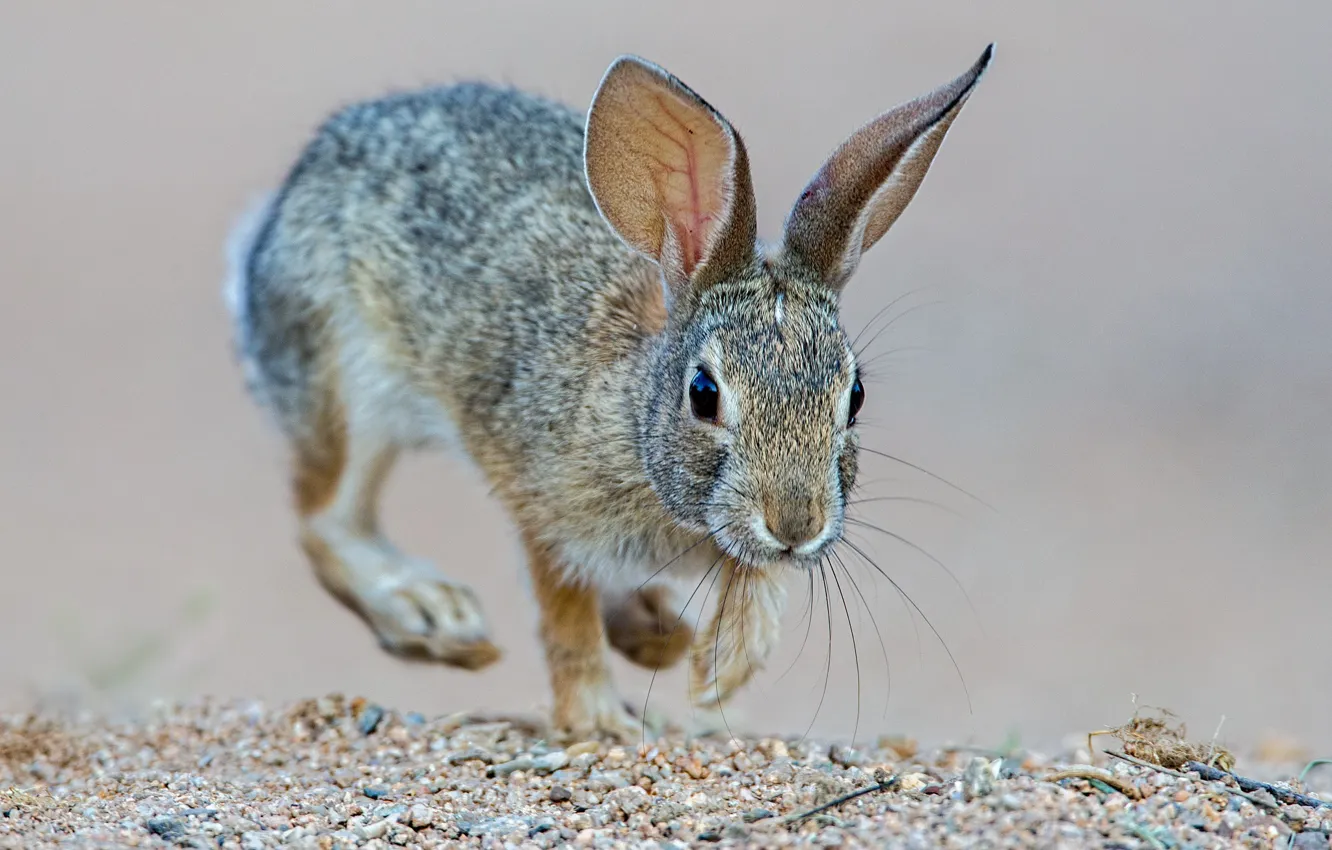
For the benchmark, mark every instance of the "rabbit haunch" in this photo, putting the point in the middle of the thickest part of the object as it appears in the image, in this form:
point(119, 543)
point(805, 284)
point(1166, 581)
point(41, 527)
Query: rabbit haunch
point(550, 292)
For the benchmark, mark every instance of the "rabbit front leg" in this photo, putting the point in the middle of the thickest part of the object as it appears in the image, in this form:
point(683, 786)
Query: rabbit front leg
point(586, 703)
point(741, 636)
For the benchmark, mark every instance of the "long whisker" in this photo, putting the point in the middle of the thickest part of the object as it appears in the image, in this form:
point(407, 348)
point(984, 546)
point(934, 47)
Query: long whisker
point(702, 606)
point(883, 649)
point(855, 651)
point(868, 367)
point(890, 305)
point(745, 579)
point(925, 471)
point(807, 613)
point(928, 622)
point(900, 539)
point(902, 598)
point(827, 664)
point(716, 644)
point(855, 502)
point(893, 321)
point(711, 534)
point(675, 627)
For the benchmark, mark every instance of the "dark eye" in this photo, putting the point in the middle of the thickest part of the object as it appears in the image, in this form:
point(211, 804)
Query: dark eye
point(703, 396)
point(857, 399)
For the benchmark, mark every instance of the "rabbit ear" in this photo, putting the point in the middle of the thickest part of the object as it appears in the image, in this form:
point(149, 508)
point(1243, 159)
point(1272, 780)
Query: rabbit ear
point(670, 175)
point(867, 182)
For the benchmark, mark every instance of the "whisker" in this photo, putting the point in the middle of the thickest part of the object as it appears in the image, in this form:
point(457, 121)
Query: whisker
point(893, 321)
point(808, 613)
point(867, 366)
point(855, 502)
point(855, 651)
point(708, 536)
point(901, 598)
point(925, 471)
point(716, 644)
point(890, 305)
point(928, 622)
point(827, 664)
point(883, 649)
point(900, 539)
point(745, 578)
point(674, 628)
point(744, 494)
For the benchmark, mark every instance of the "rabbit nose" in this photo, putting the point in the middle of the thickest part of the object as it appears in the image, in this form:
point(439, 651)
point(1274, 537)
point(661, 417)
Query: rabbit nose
point(794, 528)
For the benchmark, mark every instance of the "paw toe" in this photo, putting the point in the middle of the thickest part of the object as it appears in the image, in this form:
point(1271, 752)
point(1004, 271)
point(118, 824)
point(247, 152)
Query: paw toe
point(434, 621)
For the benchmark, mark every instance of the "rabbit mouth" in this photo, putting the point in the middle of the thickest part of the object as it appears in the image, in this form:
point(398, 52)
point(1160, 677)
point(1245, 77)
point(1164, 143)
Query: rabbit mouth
point(760, 548)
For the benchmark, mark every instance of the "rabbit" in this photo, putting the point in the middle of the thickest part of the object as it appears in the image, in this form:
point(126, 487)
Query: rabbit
point(580, 305)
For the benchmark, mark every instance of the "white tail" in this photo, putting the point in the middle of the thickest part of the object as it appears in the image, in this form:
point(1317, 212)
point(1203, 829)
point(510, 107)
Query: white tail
point(240, 244)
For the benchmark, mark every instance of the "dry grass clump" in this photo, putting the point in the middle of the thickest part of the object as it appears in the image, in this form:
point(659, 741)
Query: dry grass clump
point(1155, 739)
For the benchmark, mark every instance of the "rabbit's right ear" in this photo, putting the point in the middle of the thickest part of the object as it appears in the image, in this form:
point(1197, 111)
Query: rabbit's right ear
point(670, 175)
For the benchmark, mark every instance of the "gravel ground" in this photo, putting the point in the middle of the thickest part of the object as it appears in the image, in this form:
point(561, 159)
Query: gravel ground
point(332, 773)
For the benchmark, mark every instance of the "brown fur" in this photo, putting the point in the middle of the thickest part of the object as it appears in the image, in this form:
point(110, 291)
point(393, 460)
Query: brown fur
point(571, 629)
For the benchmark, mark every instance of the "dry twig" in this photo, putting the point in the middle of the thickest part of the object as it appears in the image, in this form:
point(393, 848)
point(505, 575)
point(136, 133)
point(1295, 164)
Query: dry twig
point(1285, 795)
point(882, 782)
point(1098, 774)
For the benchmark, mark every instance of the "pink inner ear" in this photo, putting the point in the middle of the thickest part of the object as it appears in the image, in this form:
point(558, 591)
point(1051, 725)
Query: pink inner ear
point(690, 156)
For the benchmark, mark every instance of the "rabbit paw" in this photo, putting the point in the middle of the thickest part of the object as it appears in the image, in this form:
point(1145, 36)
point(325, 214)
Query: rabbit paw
point(646, 628)
point(603, 716)
point(422, 616)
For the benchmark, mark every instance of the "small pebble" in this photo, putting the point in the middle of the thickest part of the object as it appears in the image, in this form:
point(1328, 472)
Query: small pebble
point(978, 779)
point(169, 829)
point(370, 718)
point(508, 767)
point(420, 816)
point(583, 748)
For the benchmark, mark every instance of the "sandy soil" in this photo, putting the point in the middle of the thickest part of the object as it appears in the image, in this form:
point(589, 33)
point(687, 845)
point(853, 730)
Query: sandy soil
point(333, 772)
point(1118, 339)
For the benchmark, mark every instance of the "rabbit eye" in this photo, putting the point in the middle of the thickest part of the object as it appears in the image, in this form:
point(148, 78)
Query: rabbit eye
point(857, 399)
point(703, 396)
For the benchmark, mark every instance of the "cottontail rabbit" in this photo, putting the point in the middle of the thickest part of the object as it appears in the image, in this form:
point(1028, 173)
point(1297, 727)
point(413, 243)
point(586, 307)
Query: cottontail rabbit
point(583, 307)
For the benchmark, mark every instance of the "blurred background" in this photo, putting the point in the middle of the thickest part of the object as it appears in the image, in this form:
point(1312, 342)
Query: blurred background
point(1114, 329)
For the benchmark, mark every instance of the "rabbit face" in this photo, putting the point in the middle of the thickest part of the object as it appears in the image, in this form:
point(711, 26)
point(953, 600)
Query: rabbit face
point(752, 437)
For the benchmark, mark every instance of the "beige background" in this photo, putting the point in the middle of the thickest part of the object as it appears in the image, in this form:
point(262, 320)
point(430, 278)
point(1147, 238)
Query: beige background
point(1123, 243)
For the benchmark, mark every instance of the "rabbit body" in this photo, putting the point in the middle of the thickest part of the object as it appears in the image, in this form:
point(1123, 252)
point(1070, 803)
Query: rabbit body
point(481, 267)
point(435, 268)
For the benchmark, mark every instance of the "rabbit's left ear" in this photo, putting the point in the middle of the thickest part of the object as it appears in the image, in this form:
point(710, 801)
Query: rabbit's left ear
point(670, 175)
point(868, 181)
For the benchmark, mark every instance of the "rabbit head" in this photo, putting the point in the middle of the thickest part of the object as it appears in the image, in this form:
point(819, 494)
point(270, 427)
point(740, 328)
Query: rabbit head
point(747, 424)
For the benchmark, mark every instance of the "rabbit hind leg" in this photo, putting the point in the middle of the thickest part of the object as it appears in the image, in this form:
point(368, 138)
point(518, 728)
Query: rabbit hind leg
point(414, 610)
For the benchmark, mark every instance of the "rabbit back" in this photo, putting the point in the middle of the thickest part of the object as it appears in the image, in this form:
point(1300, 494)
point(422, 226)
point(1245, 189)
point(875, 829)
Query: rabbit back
point(439, 251)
